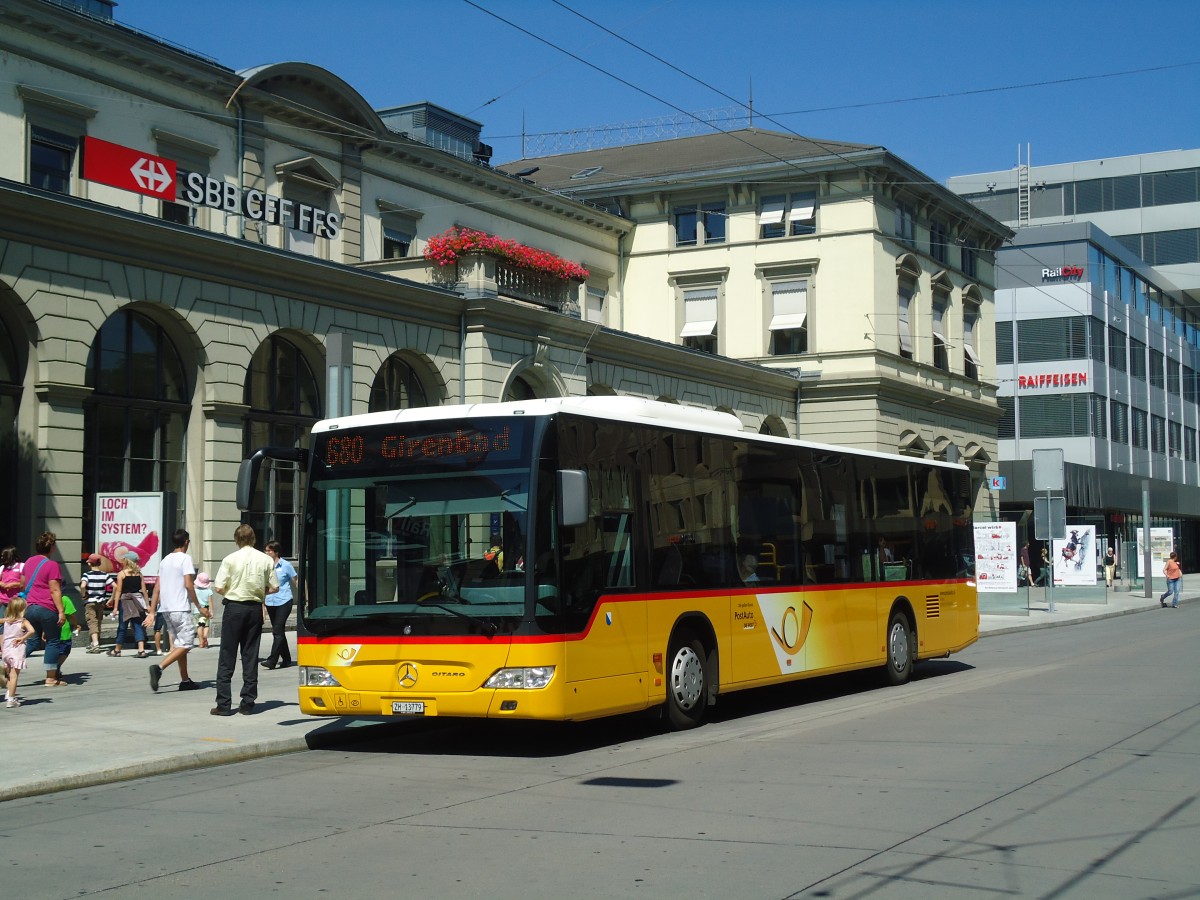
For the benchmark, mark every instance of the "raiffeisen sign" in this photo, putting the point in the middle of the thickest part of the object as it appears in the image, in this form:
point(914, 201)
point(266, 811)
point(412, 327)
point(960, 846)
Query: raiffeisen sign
point(1072, 273)
point(155, 176)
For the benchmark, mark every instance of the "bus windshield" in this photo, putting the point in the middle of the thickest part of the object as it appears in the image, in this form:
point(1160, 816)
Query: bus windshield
point(419, 530)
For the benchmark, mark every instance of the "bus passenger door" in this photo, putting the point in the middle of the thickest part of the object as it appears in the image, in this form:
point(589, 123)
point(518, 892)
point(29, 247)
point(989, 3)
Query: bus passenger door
point(605, 654)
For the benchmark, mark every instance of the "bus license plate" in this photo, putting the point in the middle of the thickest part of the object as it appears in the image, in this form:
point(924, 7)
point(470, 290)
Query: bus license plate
point(408, 707)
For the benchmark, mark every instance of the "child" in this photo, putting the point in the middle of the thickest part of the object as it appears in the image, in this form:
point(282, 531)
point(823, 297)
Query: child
point(17, 631)
point(203, 595)
point(12, 581)
point(70, 627)
point(95, 588)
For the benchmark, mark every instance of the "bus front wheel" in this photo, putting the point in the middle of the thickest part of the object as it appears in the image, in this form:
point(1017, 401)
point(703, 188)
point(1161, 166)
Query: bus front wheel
point(687, 682)
point(901, 645)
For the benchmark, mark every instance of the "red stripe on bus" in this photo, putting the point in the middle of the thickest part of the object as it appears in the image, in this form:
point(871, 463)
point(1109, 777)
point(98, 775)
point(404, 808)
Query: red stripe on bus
point(317, 640)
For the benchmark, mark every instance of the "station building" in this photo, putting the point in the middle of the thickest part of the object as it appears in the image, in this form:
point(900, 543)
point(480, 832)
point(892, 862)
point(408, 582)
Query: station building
point(197, 261)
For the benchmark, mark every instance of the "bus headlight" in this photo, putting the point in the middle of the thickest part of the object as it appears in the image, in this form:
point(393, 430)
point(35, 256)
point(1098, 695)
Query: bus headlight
point(315, 676)
point(530, 678)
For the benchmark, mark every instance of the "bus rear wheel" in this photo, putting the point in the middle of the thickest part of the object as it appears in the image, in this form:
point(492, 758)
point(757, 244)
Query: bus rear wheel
point(687, 682)
point(901, 646)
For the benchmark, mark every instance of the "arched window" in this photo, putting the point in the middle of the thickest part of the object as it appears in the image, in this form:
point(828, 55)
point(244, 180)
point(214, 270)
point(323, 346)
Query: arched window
point(10, 399)
point(284, 402)
point(135, 424)
point(397, 387)
point(521, 388)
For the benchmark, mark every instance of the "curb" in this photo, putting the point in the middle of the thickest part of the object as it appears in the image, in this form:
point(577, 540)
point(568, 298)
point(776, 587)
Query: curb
point(1052, 623)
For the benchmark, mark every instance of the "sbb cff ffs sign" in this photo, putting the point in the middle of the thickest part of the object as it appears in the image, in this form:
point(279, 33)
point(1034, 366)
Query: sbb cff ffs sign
point(130, 170)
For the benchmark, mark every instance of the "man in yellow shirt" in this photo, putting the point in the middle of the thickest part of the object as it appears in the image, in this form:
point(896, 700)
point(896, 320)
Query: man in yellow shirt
point(245, 578)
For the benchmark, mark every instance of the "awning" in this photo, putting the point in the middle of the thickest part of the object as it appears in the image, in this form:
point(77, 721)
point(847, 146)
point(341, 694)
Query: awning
point(698, 329)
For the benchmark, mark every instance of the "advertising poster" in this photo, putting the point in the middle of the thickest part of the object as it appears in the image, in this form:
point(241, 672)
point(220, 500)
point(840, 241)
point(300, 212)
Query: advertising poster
point(996, 557)
point(1074, 559)
point(129, 523)
point(1162, 542)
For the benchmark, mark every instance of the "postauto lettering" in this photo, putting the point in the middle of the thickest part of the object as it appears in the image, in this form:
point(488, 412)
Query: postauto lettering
point(204, 190)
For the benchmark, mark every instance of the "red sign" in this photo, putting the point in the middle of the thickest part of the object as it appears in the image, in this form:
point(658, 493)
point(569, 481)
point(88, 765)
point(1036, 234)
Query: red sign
point(130, 170)
point(1052, 380)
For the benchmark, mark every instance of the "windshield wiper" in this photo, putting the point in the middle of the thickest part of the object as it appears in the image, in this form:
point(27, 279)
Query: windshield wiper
point(489, 627)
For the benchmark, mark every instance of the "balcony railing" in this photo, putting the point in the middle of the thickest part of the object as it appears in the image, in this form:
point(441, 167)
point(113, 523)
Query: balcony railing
point(532, 287)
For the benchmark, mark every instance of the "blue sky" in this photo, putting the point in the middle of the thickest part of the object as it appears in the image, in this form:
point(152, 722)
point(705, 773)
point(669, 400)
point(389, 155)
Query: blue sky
point(1073, 79)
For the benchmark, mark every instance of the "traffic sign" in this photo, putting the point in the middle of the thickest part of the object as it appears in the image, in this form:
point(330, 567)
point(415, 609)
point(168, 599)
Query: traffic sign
point(1049, 518)
point(128, 169)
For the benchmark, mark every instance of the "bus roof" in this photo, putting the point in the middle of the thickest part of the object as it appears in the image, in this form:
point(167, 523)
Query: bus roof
point(624, 409)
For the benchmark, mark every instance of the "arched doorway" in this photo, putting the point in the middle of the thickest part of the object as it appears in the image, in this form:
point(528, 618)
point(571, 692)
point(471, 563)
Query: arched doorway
point(284, 399)
point(397, 386)
point(135, 422)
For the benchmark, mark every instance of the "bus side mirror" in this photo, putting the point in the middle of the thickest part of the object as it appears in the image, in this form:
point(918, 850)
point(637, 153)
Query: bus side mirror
point(247, 479)
point(572, 497)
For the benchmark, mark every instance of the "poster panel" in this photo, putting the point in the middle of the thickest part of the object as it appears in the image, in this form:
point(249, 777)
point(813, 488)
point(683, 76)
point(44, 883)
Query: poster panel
point(996, 557)
point(129, 522)
point(1074, 559)
point(1162, 542)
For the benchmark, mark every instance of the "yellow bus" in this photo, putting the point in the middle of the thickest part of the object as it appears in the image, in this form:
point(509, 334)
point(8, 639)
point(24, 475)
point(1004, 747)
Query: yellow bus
point(572, 558)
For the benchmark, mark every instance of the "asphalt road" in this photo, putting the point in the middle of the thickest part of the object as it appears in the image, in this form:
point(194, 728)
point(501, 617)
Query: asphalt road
point(1057, 764)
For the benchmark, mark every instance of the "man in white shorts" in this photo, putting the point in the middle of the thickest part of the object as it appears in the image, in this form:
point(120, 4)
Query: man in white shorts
point(174, 596)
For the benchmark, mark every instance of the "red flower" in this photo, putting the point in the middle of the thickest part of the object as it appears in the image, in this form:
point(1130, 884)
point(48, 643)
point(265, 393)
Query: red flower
point(445, 249)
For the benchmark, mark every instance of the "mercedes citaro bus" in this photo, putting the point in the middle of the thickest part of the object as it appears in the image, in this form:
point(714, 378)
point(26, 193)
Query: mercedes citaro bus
point(571, 558)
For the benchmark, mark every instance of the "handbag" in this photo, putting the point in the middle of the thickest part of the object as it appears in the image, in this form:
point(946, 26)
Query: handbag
point(24, 593)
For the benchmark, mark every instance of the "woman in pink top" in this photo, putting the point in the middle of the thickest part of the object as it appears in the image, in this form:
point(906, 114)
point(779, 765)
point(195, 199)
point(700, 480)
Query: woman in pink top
point(1174, 573)
point(43, 579)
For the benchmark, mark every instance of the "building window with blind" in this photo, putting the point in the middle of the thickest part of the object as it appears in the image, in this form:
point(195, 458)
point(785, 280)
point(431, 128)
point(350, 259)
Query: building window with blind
point(789, 317)
point(941, 352)
point(396, 242)
point(1137, 358)
point(970, 260)
point(906, 218)
point(699, 223)
point(1158, 434)
point(310, 186)
point(1175, 439)
point(1004, 343)
point(1119, 413)
point(189, 155)
point(593, 309)
point(1006, 428)
point(971, 363)
point(1189, 444)
point(1157, 369)
point(1066, 415)
point(1173, 384)
point(699, 330)
point(1099, 417)
point(788, 214)
point(1048, 340)
point(939, 241)
point(1116, 350)
point(1139, 431)
point(906, 290)
point(51, 159)
point(1189, 384)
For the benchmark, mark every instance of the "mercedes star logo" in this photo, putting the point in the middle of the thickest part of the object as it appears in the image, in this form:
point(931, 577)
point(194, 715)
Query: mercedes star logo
point(407, 674)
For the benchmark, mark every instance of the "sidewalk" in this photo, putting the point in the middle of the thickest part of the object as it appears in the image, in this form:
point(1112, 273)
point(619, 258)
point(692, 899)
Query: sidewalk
point(107, 725)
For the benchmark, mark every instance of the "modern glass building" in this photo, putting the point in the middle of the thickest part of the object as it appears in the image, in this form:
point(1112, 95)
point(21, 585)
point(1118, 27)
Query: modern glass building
point(1098, 354)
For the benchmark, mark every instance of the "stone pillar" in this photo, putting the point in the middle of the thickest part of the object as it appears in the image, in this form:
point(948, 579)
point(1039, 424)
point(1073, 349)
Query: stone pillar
point(58, 470)
point(477, 276)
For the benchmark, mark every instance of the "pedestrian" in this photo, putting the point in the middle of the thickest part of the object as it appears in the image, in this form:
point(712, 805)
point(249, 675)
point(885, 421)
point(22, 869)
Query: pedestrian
point(173, 599)
point(204, 596)
point(1026, 572)
point(66, 633)
point(1045, 573)
point(245, 578)
point(1110, 565)
point(129, 604)
point(1174, 572)
point(17, 631)
point(279, 607)
point(43, 594)
point(95, 588)
point(11, 579)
